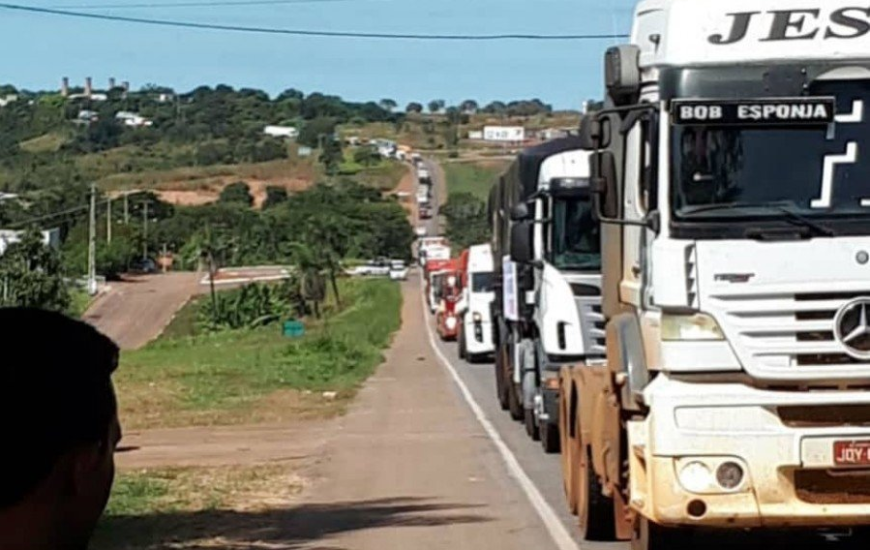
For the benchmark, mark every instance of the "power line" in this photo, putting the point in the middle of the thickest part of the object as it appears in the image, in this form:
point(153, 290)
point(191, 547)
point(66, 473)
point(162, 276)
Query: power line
point(205, 3)
point(48, 216)
point(305, 32)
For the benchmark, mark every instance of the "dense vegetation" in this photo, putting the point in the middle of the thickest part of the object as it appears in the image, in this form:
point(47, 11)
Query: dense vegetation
point(466, 210)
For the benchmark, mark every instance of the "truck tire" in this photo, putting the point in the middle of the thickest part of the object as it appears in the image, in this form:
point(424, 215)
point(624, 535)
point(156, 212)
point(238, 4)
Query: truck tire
point(594, 510)
point(501, 386)
point(462, 353)
point(648, 535)
point(515, 404)
point(569, 453)
point(549, 435)
point(531, 424)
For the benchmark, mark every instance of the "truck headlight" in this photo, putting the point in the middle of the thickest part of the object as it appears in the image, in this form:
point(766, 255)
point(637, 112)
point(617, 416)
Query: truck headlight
point(696, 477)
point(477, 317)
point(697, 326)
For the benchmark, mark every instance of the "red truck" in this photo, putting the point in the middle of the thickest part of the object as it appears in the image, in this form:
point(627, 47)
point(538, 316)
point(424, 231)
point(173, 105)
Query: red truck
point(447, 312)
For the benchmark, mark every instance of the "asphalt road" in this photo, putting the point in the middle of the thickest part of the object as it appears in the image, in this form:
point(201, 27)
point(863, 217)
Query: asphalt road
point(541, 473)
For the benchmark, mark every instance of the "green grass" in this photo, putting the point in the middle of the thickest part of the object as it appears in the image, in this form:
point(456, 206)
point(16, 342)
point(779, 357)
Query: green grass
point(474, 178)
point(79, 302)
point(184, 322)
point(173, 507)
point(222, 377)
point(46, 143)
point(138, 493)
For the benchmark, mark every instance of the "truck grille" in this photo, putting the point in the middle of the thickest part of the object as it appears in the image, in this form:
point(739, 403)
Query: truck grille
point(592, 321)
point(789, 336)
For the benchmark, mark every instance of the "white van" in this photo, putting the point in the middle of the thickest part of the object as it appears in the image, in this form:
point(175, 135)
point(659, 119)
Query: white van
point(475, 337)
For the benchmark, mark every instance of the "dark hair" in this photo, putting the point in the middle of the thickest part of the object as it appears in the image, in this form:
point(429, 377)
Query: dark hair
point(55, 394)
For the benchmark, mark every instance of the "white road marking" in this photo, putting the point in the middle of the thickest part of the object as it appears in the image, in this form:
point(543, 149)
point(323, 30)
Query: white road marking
point(561, 537)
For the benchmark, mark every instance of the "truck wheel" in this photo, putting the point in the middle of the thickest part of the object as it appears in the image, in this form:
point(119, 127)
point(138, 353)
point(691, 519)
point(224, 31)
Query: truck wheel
point(514, 402)
point(550, 437)
point(569, 455)
point(501, 387)
point(648, 535)
point(462, 354)
point(594, 510)
point(531, 424)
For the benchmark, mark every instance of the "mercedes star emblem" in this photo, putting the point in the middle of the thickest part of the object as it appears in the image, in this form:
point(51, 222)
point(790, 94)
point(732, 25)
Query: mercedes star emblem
point(852, 328)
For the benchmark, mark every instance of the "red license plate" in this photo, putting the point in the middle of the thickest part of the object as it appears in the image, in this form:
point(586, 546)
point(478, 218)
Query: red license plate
point(852, 453)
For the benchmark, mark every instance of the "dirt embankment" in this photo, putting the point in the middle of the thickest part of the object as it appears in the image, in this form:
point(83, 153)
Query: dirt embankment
point(209, 192)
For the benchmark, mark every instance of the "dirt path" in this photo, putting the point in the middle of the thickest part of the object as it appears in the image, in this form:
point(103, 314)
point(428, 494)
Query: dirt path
point(222, 446)
point(411, 442)
point(136, 310)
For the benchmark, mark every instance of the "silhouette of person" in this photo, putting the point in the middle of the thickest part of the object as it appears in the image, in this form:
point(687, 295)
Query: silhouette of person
point(59, 424)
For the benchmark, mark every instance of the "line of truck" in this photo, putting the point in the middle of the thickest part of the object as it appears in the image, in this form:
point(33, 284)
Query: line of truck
point(680, 293)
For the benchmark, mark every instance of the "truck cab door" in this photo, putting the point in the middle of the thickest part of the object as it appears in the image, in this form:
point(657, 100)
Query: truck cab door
point(639, 199)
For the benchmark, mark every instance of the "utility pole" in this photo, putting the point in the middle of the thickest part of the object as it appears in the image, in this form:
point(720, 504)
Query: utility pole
point(109, 221)
point(92, 243)
point(126, 208)
point(145, 230)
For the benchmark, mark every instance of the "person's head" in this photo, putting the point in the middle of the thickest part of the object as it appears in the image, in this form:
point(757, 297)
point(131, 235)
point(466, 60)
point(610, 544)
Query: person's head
point(59, 424)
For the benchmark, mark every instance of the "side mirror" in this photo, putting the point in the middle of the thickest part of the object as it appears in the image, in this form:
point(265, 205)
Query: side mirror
point(603, 169)
point(520, 212)
point(521, 242)
point(590, 132)
point(622, 73)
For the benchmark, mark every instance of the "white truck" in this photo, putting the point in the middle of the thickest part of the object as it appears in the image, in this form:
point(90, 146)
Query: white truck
point(475, 334)
point(732, 179)
point(559, 235)
point(546, 255)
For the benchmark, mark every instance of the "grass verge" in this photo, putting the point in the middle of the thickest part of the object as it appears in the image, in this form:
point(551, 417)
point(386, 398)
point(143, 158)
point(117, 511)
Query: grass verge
point(251, 375)
point(153, 508)
point(474, 178)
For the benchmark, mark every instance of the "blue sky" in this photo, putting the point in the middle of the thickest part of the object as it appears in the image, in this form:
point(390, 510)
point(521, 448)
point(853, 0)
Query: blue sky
point(40, 49)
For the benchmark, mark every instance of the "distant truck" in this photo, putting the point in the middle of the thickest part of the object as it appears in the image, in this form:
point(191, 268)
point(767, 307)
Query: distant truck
point(475, 326)
point(446, 313)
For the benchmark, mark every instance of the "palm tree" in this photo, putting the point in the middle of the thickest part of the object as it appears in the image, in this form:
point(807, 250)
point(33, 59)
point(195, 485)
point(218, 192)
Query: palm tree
point(310, 268)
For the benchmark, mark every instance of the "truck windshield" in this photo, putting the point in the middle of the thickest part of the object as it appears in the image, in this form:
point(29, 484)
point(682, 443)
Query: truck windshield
point(778, 172)
point(576, 242)
point(481, 282)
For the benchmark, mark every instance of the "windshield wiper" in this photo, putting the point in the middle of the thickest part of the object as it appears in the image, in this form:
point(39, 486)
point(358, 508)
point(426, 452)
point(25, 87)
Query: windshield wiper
point(779, 206)
point(798, 219)
point(732, 206)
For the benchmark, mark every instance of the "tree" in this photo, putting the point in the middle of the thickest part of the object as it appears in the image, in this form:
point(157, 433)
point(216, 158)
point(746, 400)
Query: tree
point(274, 196)
point(436, 105)
point(469, 106)
point(496, 108)
point(388, 104)
point(331, 155)
point(237, 193)
point(31, 275)
point(414, 107)
point(309, 265)
point(367, 156)
point(466, 220)
point(314, 130)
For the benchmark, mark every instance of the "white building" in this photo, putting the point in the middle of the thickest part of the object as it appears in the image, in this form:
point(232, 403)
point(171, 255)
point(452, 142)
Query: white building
point(4, 101)
point(504, 133)
point(475, 134)
point(132, 120)
point(50, 237)
point(288, 132)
